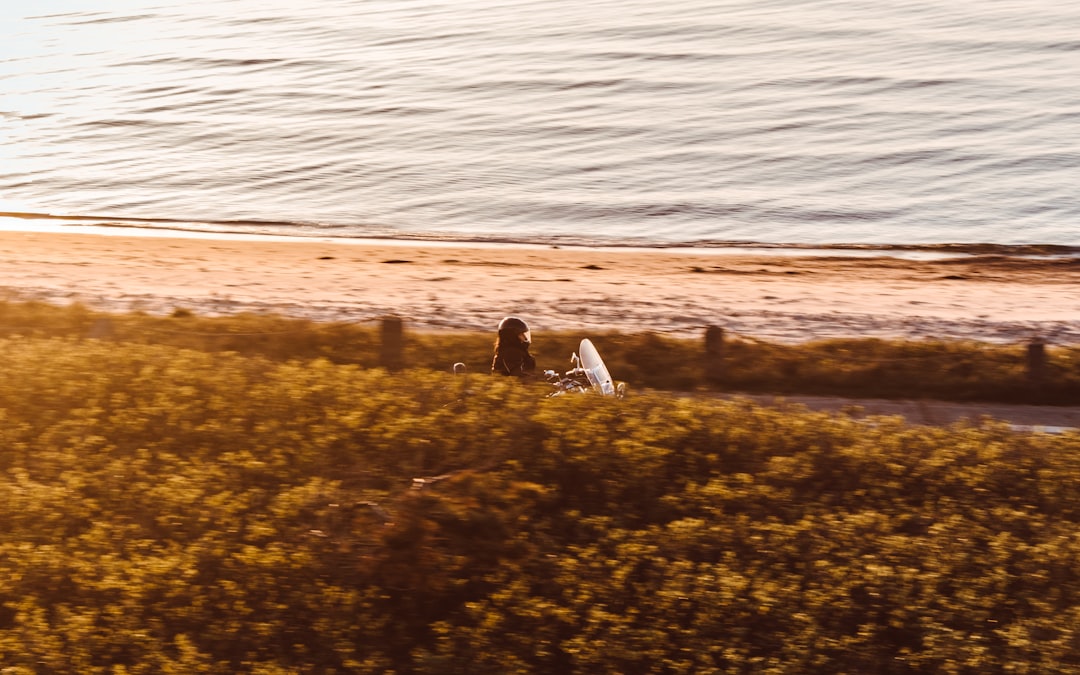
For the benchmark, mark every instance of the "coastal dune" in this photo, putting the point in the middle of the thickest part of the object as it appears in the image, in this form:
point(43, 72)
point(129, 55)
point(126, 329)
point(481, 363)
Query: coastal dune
point(775, 296)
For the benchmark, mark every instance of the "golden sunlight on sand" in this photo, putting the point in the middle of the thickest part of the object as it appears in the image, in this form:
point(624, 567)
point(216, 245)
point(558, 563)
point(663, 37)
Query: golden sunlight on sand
point(992, 298)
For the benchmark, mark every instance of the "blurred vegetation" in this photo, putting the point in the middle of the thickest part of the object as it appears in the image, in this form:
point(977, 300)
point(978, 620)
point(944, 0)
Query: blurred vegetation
point(856, 367)
point(171, 510)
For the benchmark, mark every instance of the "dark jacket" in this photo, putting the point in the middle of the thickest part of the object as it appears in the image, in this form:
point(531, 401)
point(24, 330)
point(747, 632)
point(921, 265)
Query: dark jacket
point(512, 358)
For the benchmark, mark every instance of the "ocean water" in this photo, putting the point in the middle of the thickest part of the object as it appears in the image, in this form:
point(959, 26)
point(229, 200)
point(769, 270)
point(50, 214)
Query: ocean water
point(689, 122)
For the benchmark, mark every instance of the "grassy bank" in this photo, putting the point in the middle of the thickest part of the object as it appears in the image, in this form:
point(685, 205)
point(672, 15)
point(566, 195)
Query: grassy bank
point(864, 368)
point(181, 511)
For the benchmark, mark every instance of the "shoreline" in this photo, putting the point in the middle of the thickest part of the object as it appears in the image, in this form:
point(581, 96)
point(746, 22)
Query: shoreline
point(173, 228)
point(454, 285)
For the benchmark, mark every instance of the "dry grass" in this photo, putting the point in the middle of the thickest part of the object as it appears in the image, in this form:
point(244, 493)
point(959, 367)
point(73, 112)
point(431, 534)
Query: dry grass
point(857, 367)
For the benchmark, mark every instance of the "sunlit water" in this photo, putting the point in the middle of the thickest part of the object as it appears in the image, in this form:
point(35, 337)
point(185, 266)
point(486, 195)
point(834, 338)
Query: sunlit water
point(689, 121)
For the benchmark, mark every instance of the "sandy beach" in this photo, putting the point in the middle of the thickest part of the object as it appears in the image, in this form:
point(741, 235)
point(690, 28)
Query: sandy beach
point(457, 286)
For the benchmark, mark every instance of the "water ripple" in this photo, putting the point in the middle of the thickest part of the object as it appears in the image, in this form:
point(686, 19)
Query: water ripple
point(697, 120)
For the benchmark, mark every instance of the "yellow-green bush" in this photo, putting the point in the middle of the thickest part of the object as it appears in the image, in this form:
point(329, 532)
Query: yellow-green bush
point(180, 511)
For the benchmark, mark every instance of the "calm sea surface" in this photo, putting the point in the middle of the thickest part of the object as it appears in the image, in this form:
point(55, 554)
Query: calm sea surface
point(590, 121)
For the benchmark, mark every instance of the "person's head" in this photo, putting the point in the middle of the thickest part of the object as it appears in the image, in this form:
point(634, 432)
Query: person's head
point(513, 330)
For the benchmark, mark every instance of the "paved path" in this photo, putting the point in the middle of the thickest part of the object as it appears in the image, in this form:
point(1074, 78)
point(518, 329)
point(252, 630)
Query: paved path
point(1049, 418)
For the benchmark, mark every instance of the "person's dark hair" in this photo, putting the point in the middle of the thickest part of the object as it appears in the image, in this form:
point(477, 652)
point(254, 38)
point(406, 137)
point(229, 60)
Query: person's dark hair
point(514, 325)
point(509, 329)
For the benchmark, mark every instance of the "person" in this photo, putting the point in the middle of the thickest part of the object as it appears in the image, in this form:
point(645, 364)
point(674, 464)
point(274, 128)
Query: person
point(512, 355)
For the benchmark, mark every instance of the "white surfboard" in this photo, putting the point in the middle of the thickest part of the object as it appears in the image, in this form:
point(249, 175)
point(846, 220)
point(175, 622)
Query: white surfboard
point(594, 368)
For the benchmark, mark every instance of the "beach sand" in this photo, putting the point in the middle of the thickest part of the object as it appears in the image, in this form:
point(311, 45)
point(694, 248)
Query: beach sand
point(457, 286)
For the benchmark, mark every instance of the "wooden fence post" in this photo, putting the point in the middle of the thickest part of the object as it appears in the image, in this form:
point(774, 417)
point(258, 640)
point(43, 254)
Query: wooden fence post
point(392, 347)
point(714, 354)
point(1036, 362)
